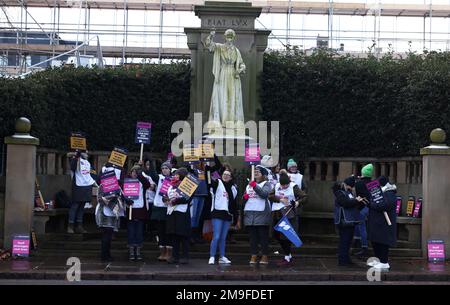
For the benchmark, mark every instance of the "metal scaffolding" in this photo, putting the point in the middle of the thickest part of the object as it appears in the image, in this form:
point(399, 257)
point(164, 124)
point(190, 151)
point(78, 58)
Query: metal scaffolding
point(52, 37)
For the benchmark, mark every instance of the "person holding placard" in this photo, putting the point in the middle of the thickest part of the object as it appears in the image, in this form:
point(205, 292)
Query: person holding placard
point(110, 207)
point(149, 173)
point(82, 183)
point(362, 191)
point(178, 219)
point(139, 214)
point(346, 216)
point(258, 214)
point(198, 202)
point(224, 213)
point(159, 211)
point(380, 233)
point(286, 197)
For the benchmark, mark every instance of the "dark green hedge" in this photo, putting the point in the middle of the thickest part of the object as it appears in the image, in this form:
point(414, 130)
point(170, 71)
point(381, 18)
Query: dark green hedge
point(105, 104)
point(336, 107)
point(327, 106)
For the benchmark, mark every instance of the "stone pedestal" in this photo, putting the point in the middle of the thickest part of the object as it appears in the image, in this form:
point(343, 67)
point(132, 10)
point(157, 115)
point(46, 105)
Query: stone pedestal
point(220, 16)
point(20, 181)
point(436, 191)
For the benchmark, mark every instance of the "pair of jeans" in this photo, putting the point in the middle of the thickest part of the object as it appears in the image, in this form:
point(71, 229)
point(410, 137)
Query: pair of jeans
point(107, 234)
point(381, 251)
point(259, 235)
point(196, 210)
point(135, 233)
point(76, 212)
point(360, 229)
point(345, 242)
point(220, 231)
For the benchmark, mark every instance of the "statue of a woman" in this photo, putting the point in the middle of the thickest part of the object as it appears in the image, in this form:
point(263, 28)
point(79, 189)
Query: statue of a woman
point(226, 99)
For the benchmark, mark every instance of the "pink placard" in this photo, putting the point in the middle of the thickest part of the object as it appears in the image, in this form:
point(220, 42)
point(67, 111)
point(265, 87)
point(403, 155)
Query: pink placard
point(436, 250)
point(131, 188)
point(417, 207)
point(21, 246)
point(164, 187)
point(109, 183)
point(252, 153)
point(399, 205)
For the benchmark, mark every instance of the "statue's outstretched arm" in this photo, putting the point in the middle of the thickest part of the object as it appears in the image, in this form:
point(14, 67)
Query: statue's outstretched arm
point(209, 43)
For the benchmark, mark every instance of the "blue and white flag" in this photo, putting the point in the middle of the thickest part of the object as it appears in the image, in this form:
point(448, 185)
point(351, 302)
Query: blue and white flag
point(285, 227)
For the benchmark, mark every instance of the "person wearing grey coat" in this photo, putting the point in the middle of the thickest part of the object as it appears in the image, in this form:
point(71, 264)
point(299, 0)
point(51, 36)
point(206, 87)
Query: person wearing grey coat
point(258, 214)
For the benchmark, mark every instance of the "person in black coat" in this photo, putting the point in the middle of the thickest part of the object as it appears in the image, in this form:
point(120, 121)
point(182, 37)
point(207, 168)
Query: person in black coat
point(381, 234)
point(346, 216)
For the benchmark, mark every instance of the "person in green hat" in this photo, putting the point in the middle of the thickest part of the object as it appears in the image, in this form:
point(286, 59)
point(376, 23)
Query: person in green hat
point(361, 190)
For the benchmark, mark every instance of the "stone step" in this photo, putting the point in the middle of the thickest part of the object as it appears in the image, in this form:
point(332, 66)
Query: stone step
point(238, 248)
point(327, 239)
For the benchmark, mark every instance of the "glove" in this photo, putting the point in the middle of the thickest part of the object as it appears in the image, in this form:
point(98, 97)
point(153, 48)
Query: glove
point(294, 203)
point(129, 201)
point(253, 184)
point(246, 196)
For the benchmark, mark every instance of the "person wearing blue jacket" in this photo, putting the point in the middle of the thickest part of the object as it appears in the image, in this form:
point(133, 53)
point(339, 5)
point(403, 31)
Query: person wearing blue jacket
point(346, 216)
point(382, 235)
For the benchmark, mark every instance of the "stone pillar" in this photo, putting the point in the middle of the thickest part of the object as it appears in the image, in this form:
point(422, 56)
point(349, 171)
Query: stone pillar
point(220, 16)
point(345, 170)
point(20, 181)
point(436, 185)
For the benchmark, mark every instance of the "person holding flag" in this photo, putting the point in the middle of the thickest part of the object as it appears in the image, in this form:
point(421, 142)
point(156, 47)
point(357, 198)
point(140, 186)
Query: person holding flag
point(258, 214)
point(224, 213)
point(286, 197)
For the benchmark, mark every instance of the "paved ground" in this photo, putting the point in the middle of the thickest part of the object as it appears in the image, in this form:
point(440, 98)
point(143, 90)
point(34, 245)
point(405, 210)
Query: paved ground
point(305, 270)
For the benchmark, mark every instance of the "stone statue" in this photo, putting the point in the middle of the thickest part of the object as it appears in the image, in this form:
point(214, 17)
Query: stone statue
point(226, 99)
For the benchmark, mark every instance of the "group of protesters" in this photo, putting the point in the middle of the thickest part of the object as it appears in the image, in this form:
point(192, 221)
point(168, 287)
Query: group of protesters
point(272, 194)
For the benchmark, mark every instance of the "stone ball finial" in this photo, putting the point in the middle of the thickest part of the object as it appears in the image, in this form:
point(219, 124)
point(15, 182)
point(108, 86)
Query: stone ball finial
point(438, 136)
point(23, 125)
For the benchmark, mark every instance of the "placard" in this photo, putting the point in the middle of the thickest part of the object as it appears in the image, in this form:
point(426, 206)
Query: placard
point(188, 186)
point(410, 206)
point(252, 155)
point(418, 208)
point(376, 193)
point(118, 157)
point(131, 188)
point(398, 204)
point(21, 245)
point(191, 154)
point(109, 183)
point(143, 133)
point(206, 151)
point(78, 141)
point(164, 187)
point(436, 250)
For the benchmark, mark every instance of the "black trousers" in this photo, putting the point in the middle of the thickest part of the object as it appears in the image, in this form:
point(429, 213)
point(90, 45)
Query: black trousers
point(259, 235)
point(381, 251)
point(107, 234)
point(161, 232)
point(178, 242)
point(345, 242)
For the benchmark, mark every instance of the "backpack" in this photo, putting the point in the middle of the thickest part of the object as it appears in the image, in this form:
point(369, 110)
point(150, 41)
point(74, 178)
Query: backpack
point(62, 200)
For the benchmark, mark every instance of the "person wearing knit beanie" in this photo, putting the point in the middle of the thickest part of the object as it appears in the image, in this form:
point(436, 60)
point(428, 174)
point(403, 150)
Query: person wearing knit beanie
point(291, 163)
point(167, 164)
point(367, 170)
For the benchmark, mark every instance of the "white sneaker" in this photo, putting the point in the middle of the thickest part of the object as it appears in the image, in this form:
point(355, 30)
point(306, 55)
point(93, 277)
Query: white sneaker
point(372, 262)
point(211, 261)
point(88, 205)
point(381, 266)
point(224, 260)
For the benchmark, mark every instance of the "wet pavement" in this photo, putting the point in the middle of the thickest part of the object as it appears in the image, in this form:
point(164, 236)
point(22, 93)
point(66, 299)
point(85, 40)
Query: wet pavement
point(305, 269)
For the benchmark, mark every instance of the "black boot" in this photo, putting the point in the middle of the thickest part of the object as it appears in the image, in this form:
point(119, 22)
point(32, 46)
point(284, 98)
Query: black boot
point(138, 254)
point(131, 255)
point(362, 253)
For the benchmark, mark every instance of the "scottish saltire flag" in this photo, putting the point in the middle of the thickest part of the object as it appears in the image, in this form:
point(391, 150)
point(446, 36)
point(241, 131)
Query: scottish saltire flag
point(285, 227)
